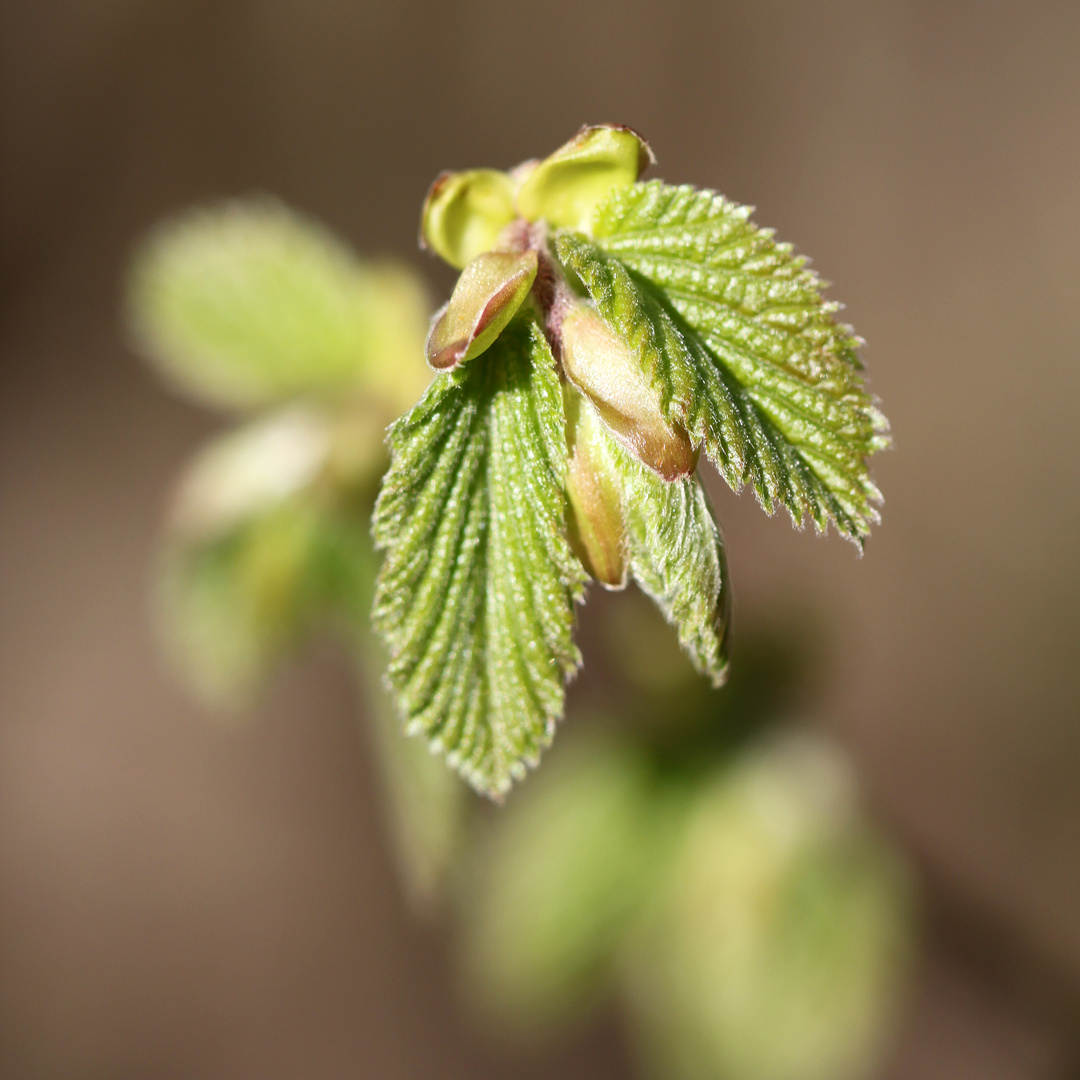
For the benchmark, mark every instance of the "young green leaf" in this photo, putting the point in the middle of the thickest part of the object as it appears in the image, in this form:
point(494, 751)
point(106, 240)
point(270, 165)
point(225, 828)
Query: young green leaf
point(249, 303)
point(746, 353)
point(475, 598)
point(677, 557)
point(672, 543)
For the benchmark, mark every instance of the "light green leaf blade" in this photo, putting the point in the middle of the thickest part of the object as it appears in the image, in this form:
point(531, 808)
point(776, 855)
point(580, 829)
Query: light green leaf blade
point(675, 550)
point(677, 557)
point(747, 354)
point(475, 597)
point(249, 303)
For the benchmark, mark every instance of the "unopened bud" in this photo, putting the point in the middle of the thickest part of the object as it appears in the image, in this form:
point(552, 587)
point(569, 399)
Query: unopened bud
point(601, 365)
point(465, 212)
point(566, 187)
point(596, 527)
point(487, 295)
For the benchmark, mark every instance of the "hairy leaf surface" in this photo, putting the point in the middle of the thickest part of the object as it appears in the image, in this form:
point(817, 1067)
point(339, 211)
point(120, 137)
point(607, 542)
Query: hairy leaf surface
point(475, 598)
point(747, 354)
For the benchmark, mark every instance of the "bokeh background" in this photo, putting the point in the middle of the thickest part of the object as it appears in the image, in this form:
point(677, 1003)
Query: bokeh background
point(181, 900)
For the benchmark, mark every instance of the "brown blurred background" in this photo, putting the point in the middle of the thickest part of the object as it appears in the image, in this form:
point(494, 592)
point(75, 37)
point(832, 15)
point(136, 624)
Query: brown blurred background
point(182, 901)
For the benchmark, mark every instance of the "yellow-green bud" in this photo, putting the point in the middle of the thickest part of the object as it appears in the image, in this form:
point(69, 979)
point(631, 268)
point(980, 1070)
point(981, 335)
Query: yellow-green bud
point(601, 365)
point(488, 293)
point(465, 212)
point(595, 521)
point(566, 187)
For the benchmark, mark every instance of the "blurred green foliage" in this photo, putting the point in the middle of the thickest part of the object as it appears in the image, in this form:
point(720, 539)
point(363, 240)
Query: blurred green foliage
point(753, 922)
point(559, 877)
point(775, 945)
point(259, 550)
point(248, 303)
point(267, 541)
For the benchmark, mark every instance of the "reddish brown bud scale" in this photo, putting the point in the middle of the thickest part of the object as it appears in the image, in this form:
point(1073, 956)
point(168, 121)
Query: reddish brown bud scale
point(601, 365)
point(486, 297)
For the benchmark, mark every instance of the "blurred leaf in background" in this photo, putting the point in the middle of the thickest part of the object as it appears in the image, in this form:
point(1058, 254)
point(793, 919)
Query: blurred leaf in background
point(249, 305)
point(695, 856)
point(560, 873)
point(255, 553)
point(776, 947)
point(755, 925)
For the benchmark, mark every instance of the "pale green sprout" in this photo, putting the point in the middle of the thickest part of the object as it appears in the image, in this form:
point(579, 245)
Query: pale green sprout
point(565, 188)
point(464, 213)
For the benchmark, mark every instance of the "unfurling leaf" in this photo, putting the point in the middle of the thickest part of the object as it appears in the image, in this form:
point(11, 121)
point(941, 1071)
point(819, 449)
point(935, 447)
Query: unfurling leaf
point(566, 187)
point(465, 212)
point(249, 303)
point(615, 327)
point(746, 355)
point(475, 598)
